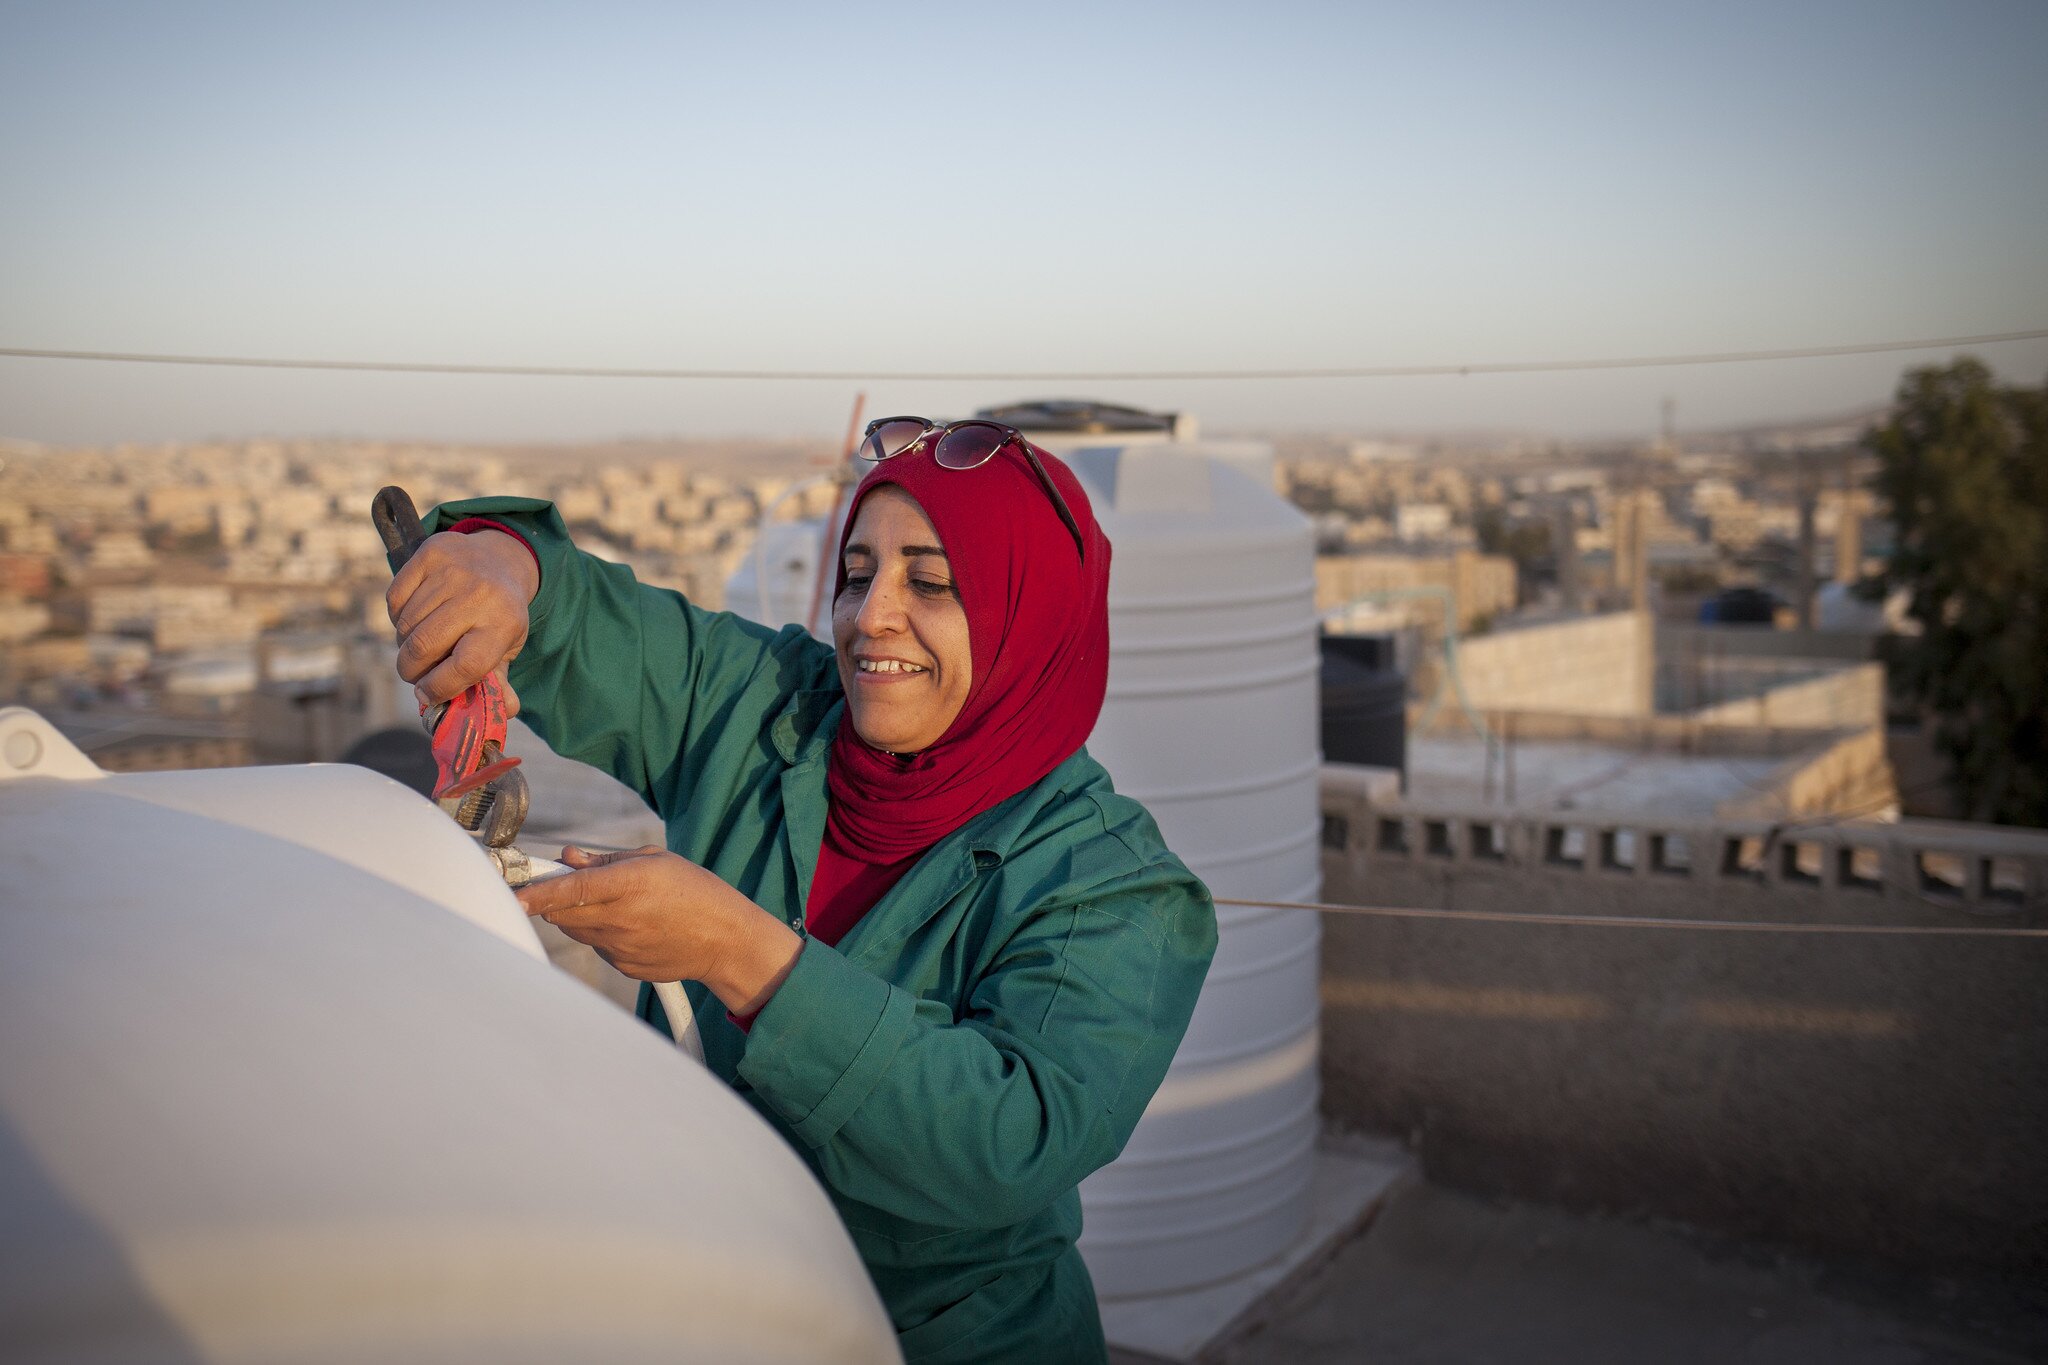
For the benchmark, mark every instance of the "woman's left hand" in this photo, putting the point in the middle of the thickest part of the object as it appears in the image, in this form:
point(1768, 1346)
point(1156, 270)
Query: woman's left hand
point(659, 917)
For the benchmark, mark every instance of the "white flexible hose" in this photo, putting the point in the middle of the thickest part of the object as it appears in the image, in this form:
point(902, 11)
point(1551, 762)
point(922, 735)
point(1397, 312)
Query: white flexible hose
point(682, 1020)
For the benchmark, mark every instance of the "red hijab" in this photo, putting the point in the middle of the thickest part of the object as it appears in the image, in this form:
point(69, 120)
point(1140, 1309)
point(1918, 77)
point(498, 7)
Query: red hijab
point(1038, 634)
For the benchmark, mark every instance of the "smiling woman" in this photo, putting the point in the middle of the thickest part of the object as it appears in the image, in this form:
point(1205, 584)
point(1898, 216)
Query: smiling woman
point(924, 936)
point(899, 628)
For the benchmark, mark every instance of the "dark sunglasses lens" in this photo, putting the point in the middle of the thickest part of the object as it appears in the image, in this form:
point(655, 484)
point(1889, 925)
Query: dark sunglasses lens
point(966, 446)
point(891, 438)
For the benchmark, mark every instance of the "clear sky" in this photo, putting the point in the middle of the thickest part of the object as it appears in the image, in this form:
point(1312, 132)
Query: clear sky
point(1018, 187)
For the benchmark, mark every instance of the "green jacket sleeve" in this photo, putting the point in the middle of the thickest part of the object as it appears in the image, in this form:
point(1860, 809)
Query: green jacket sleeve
point(983, 1122)
point(638, 681)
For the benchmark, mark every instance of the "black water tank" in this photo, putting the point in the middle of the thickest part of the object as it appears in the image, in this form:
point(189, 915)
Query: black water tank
point(1740, 607)
point(1365, 702)
point(404, 754)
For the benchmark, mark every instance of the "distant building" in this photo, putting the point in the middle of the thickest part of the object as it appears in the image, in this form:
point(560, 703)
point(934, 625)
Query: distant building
point(24, 575)
point(118, 551)
point(1422, 521)
point(1580, 714)
point(20, 620)
point(1481, 586)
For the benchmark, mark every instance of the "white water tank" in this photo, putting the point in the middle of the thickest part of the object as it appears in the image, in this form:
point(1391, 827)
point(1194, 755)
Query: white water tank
point(779, 581)
point(1211, 722)
point(775, 580)
point(285, 1076)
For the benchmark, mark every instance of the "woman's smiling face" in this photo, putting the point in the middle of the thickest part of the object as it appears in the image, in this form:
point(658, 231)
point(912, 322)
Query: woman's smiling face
point(899, 629)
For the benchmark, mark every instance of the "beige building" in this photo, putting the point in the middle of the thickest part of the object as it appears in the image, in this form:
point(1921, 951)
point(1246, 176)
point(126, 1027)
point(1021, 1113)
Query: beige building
point(118, 552)
point(1482, 586)
point(176, 631)
point(22, 620)
point(184, 508)
point(135, 609)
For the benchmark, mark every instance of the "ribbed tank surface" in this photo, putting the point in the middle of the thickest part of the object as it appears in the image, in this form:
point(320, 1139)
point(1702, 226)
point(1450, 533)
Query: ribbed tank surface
point(1211, 721)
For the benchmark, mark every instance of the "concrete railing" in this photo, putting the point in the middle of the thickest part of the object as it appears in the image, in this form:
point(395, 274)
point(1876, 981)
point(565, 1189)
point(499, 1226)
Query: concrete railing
point(1831, 1035)
point(1396, 852)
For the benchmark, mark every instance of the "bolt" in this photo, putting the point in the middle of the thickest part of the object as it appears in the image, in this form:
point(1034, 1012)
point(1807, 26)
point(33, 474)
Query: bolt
point(23, 749)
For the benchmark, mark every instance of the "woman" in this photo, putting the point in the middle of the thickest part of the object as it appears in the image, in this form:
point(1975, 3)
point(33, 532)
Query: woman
point(930, 943)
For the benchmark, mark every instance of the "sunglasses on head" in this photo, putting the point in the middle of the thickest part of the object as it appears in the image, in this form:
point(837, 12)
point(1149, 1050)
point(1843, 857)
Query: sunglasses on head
point(961, 445)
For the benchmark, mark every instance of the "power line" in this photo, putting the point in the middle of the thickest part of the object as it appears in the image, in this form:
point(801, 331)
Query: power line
point(1634, 922)
point(1031, 376)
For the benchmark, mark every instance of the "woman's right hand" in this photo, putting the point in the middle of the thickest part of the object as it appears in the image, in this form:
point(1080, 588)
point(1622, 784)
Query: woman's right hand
point(459, 605)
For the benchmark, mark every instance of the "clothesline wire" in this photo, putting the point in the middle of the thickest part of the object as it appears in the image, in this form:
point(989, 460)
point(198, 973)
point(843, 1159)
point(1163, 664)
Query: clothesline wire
point(1027, 376)
point(1633, 922)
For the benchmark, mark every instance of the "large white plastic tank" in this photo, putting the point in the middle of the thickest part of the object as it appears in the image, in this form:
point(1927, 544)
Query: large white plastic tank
point(775, 580)
point(1210, 721)
point(284, 1076)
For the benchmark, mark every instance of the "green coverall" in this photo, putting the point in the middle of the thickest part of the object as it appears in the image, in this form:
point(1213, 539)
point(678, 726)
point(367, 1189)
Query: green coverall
point(983, 1038)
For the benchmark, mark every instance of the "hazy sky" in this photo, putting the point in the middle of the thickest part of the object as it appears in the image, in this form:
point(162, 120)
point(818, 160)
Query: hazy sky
point(959, 186)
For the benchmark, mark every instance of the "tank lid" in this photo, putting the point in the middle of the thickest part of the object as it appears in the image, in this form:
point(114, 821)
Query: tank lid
point(1076, 415)
point(1375, 651)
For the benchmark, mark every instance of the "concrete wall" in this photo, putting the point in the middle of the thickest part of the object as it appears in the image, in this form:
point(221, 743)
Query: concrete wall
point(1675, 641)
point(1849, 696)
point(1657, 734)
point(1824, 770)
point(1874, 1093)
point(1607, 666)
point(1852, 774)
point(1482, 586)
point(1595, 665)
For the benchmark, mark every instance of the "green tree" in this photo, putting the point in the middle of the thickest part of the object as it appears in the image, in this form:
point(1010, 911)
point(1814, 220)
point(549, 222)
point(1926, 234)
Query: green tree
point(1963, 465)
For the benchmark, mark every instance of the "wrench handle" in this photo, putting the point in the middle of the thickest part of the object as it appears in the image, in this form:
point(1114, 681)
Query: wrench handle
point(398, 522)
point(398, 525)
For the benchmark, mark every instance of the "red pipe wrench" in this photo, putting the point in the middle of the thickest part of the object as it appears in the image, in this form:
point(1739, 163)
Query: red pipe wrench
point(474, 780)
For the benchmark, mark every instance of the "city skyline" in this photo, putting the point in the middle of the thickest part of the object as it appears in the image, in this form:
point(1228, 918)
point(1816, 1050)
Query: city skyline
point(1189, 187)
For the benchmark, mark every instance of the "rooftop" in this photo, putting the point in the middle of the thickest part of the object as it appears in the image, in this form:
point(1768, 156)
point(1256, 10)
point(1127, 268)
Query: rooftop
point(1440, 1276)
point(1581, 774)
